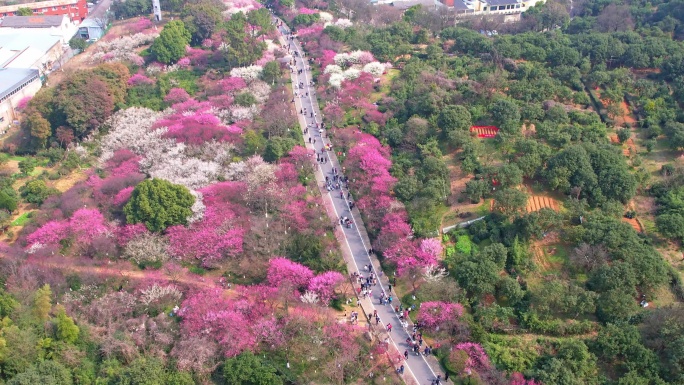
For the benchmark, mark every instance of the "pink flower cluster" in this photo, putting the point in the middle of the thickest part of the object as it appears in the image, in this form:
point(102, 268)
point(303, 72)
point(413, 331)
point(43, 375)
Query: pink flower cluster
point(437, 314)
point(197, 56)
point(194, 123)
point(284, 273)
point(84, 226)
point(139, 79)
point(176, 95)
point(142, 24)
point(218, 235)
point(314, 30)
point(123, 174)
point(307, 11)
point(477, 358)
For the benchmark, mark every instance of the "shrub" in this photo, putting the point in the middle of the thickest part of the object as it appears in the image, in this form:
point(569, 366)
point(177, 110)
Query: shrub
point(159, 204)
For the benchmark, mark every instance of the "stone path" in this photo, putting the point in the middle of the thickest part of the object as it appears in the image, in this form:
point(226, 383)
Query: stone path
point(418, 368)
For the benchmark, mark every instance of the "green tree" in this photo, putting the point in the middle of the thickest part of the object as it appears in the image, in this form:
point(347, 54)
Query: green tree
point(67, 330)
point(506, 115)
point(45, 373)
point(260, 18)
point(478, 276)
point(248, 369)
point(277, 148)
point(272, 72)
point(150, 371)
point(245, 99)
point(201, 18)
point(616, 305)
point(78, 43)
point(24, 11)
point(38, 127)
point(510, 201)
point(171, 43)
point(158, 204)
point(8, 202)
point(42, 302)
point(27, 165)
point(454, 118)
point(36, 191)
point(508, 290)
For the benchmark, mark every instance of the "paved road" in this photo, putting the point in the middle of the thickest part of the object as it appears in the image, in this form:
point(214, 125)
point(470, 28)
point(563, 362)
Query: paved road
point(417, 368)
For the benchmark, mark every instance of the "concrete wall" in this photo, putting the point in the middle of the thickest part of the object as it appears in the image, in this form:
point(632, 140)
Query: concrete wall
point(7, 112)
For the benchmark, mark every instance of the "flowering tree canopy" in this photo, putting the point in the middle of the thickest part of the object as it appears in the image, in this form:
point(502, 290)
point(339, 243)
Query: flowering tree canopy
point(324, 285)
point(437, 314)
point(282, 270)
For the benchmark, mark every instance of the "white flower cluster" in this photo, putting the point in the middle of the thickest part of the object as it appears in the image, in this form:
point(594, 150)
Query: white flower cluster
point(325, 17)
point(116, 56)
point(357, 57)
point(337, 78)
point(163, 158)
point(247, 73)
point(127, 43)
point(197, 208)
point(333, 69)
point(156, 292)
point(243, 113)
point(343, 23)
point(309, 297)
point(260, 90)
point(374, 68)
point(131, 129)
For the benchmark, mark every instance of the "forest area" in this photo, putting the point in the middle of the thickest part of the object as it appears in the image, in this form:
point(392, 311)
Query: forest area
point(162, 224)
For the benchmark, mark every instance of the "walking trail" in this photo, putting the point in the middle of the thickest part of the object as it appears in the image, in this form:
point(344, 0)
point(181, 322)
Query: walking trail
point(418, 368)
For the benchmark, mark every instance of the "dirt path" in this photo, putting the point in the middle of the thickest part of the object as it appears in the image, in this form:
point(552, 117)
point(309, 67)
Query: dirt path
point(115, 270)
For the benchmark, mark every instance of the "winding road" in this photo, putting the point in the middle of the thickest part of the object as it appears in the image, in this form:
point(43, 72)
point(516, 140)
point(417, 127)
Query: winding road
point(418, 369)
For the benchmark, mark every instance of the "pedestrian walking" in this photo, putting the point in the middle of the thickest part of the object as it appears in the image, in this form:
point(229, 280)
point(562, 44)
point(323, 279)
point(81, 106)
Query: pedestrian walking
point(406, 354)
point(389, 328)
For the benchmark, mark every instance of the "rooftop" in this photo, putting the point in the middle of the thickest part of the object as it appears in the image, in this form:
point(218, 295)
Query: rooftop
point(23, 50)
point(11, 78)
point(32, 21)
point(39, 4)
point(406, 4)
point(502, 2)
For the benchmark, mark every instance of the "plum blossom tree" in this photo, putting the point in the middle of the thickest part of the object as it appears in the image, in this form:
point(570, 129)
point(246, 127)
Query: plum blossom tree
point(210, 313)
point(435, 315)
point(86, 224)
point(209, 240)
point(324, 285)
point(176, 95)
point(477, 358)
point(248, 74)
point(282, 270)
point(49, 234)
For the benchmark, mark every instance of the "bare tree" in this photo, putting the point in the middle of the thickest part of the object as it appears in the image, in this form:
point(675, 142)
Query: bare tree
point(615, 18)
point(588, 257)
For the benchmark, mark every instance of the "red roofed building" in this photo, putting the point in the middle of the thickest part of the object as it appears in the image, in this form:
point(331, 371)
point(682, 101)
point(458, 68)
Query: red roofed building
point(77, 10)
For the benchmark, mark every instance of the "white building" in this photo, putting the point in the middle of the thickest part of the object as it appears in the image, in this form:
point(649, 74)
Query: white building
point(39, 51)
point(15, 84)
point(58, 25)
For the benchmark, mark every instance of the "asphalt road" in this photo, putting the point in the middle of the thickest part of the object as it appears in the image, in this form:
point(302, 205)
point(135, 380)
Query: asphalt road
point(417, 369)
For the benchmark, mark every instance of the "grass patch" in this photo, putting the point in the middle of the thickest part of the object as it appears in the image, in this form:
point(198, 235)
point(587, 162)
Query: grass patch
point(197, 270)
point(23, 219)
point(483, 209)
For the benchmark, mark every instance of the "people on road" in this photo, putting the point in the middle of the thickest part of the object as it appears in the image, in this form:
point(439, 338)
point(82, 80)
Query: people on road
point(335, 180)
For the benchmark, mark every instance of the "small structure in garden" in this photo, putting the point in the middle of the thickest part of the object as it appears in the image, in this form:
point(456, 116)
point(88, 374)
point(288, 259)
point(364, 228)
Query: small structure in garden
point(485, 131)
